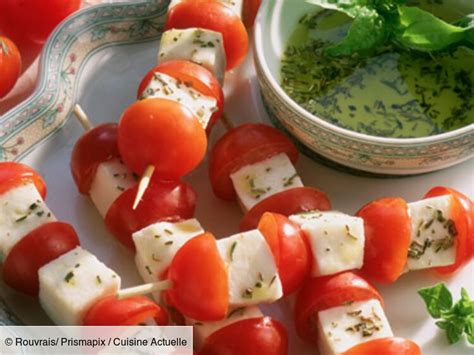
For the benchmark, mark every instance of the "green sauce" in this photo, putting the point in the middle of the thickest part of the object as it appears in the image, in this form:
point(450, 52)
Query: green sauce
point(392, 94)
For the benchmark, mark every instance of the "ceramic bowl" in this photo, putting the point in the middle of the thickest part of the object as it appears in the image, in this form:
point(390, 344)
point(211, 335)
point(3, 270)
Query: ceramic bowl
point(389, 156)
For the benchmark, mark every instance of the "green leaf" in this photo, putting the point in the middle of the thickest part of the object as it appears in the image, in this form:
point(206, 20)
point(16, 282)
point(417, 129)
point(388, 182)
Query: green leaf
point(453, 334)
point(437, 299)
point(365, 34)
point(4, 47)
point(350, 7)
point(422, 31)
point(469, 329)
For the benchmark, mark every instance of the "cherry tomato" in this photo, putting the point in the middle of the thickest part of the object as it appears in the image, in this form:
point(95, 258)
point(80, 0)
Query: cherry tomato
point(288, 202)
point(319, 294)
point(199, 277)
point(385, 346)
point(14, 174)
point(164, 200)
point(192, 75)
point(130, 311)
point(214, 16)
point(35, 19)
point(289, 248)
point(162, 133)
point(253, 336)
point(250, 11)
point(10, 65)
point(463, 217)
point(37, 248)
point(95, 147)
point(247, 144)
point(387, 229)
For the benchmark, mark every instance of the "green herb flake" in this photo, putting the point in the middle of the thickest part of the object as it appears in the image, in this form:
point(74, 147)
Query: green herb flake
point(231, 251)
point(69, 276)
point(98, 279)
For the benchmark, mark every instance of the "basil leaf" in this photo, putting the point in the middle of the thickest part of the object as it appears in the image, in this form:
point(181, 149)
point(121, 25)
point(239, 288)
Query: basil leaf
point(437, 299)
point(453, 334)
point(422, 31)
point(469, 329)
point(350, 7)
point(365, 34)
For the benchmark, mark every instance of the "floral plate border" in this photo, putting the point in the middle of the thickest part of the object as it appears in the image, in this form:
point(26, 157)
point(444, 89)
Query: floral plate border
point(62, 62)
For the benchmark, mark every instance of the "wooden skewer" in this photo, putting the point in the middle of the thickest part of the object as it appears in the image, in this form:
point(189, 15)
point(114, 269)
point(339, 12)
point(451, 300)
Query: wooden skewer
point(143, 184)
point(82, 117)
point(143, 289)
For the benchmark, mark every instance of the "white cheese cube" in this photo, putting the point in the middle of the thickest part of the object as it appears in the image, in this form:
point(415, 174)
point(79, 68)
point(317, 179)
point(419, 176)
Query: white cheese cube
point(336, 241)
point(202, 330)
point(111, 179)
point(158, 243)
point(22, 210)
point(201, 46)
point(235, 5)
point(253, 183)
point(252, 272)
point(341, 328)
point(433, 233)
point(72, 283)
point(167, 87)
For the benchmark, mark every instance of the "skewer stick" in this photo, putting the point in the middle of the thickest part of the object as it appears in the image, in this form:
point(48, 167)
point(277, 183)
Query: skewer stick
point(228, 124)
point(143, 289)
point(82, 117)
point(143, 184)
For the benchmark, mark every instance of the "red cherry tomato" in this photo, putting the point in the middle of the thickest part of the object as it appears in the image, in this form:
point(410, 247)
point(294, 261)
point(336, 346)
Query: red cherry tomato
point(215, 16)
point(162, 133)
point(247, 144)
point(253, 336)
point(35, 19)
point(250, 11)
point(387, 229)
point(39, 247)
point(289, 248)
point(199, 277)
point(463, 217)
point(15, 174)
point(319, 294)
point(130, 311)
point(288, 202)
point(95, 147)
point(192, 75)
point(10, 65)
point(164, 200)
point(385, 346)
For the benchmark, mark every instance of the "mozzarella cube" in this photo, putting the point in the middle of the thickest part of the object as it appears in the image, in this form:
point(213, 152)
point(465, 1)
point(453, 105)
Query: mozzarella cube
point(336, 241)
point(72, 283)
point(252, 272)
point(433, 233)
point(157, 244)
point(201, 46)
point(166, 87)
point(202, 330)
point(235, 5)
point(341, 328)
point(22, 210)
point(253, 183)
point(111, 179)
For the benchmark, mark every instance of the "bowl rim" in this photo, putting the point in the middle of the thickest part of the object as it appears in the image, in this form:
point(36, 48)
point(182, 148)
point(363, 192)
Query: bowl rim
point(260, 59)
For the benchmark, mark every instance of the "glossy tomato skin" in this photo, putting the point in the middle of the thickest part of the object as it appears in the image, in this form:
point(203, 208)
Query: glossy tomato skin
point(385, 346)
point(162, 133)
point(322, 293)
point(164, 200)
point(214, 16)
point(244, 145)
point(110, 311)
point(290, 249)
point(95, 147)
point(463, 216)
point(387, 227)
point(199, 277)
point(10, 65)
point(250, 11)
point(287, 203)
point(253, 336)
point(35, 19)
point(39, 247)
point(15, 174)
point(192, 75)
